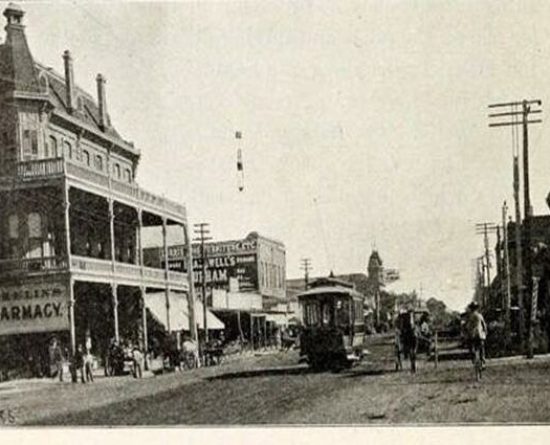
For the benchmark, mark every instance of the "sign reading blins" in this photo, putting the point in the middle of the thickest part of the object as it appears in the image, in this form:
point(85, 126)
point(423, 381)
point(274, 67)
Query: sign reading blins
point(33, 308)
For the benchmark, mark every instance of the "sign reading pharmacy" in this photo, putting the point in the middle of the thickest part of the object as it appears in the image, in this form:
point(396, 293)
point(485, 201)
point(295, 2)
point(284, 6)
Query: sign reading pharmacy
point(33, 308)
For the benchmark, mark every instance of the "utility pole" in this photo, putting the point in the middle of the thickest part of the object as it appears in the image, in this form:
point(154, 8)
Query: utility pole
point(306, 267)
point(484, 229)
point(203, 231)
point(506, 270)
point(525, 111)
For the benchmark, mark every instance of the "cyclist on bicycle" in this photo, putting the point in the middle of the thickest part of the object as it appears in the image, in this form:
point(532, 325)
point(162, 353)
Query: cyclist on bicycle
point(476, 330)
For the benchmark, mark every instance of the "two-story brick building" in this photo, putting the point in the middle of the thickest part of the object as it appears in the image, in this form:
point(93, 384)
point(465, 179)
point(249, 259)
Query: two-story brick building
point(245, 282)
point(71, 213)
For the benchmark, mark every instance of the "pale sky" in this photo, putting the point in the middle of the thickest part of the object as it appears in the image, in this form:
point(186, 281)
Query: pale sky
point(363, 122)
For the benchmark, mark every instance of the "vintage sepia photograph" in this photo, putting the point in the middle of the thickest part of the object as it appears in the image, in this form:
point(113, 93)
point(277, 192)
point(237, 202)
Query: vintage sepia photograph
point(274, 213)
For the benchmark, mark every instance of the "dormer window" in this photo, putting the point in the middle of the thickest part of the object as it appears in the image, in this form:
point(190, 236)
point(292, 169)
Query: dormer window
point(98, 163)
point(68, 149)
point(52, 147)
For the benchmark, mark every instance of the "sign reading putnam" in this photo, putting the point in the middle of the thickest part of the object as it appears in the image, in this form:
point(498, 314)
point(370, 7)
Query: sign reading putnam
point(33, 308)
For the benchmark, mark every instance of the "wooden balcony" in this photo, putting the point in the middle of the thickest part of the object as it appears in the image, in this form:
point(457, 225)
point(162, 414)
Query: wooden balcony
point(30, 266)
point(93, 269)
point(96, 182)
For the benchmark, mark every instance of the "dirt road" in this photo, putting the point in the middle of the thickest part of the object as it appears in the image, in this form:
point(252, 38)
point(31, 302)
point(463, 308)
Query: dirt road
point(276, 390)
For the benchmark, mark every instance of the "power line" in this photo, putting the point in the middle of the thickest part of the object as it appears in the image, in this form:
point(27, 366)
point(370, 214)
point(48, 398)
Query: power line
point(528, 107)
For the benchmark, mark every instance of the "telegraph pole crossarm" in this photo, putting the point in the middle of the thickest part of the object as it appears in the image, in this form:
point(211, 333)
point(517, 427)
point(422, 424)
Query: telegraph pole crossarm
point(306, 267)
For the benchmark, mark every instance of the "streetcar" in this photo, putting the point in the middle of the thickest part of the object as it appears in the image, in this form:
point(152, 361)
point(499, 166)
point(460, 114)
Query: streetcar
point(333, 332)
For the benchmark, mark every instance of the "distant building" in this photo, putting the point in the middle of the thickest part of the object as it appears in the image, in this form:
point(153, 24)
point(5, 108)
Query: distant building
point(245, 282)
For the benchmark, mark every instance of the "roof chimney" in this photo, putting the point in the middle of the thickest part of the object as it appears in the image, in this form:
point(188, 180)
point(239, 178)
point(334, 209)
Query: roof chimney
point(14, 14)
point(101, 101)
point(69, 80)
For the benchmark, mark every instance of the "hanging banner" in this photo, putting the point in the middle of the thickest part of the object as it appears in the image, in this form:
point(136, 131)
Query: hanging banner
point(33, 308)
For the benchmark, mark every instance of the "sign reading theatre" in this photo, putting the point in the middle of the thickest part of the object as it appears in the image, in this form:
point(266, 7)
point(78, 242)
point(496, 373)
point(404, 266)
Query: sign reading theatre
point(33, 308)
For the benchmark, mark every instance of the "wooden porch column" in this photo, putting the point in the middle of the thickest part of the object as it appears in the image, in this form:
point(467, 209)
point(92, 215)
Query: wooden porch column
point(71, 315)
point(190, 284)
point(139, 245)
point(144, 318)
point(114, 295)
point(66, 206)
point(166, 271)
point(112, 231)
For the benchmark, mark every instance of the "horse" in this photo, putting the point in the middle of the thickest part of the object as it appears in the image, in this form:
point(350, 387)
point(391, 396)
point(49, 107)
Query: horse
point(406, 340)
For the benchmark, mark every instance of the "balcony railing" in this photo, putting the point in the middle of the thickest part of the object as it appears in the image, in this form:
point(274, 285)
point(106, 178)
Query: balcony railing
point(132, 272)
point(31, 265)
point(47, 168)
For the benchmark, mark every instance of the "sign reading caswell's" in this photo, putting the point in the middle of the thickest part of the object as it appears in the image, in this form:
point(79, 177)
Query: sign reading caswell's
point(33, 308)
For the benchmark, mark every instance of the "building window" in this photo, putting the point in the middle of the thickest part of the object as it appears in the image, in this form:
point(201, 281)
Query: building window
point(117, 171)
point(68, 149)
point(86, 156)
point(53, 147)
point(30, 142)
point(98, 164)
point(34, 225)
point(127, 175)
point(13, 223)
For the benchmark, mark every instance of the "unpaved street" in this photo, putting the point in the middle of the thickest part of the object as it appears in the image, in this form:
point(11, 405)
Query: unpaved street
point(275, 389)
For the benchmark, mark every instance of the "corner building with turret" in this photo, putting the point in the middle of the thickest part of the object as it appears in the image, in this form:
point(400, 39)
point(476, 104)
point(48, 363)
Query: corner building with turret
point(72, 216)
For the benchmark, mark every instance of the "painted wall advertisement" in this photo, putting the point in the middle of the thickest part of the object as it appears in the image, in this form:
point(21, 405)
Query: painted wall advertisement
point(225, 260)
point(33, 308)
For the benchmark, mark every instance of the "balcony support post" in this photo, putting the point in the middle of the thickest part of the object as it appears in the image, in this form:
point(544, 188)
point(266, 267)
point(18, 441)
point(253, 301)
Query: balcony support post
point(138, 236)
point(71, 315)
point(166, 271)
point(112, 231)
point(145, 344)
point(114, 296)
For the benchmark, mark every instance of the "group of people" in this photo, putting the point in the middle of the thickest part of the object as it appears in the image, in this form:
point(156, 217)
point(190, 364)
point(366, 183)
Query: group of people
point(411, 335)
point(118, 354)
point(81, 362)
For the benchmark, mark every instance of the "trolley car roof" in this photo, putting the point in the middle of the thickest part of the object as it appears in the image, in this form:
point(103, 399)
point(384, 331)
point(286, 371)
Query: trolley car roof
point(331, 290)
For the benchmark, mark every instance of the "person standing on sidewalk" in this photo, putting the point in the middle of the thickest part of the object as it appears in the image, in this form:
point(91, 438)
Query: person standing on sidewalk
point(137, 358)
point(56, 358)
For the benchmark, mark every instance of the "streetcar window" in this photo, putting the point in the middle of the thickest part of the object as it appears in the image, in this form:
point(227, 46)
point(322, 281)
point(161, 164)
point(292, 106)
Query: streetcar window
point(342, 312)
point(311, 314)
point(327, 314)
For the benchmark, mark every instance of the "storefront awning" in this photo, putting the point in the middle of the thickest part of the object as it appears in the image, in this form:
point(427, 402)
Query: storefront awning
point(179, 313)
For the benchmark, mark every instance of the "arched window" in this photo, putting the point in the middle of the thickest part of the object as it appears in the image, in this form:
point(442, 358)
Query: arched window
point(34, 223)
point(117, 170)
point(86, 156)
point(68, 148)
point(53, 147)
point(13, 223)
point(127, 175)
